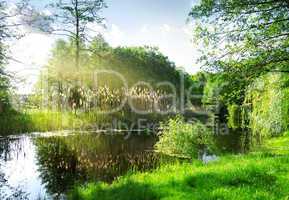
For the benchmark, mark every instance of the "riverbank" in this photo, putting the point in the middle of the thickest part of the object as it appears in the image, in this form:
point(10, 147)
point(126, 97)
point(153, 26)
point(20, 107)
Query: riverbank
point(261, 174)
point(13, 122)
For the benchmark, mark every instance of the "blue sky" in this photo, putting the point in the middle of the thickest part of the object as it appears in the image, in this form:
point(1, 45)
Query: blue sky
point(130, 14)
point(161, 23)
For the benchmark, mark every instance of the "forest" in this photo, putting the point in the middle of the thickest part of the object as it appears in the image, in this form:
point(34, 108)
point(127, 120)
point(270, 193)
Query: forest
point(126, 122)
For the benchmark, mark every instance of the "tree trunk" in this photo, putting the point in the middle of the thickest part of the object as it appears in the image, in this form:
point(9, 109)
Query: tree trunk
point(77, 37)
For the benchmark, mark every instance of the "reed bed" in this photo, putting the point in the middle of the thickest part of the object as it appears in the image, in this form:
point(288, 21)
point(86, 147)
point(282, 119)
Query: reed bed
point(83, 108)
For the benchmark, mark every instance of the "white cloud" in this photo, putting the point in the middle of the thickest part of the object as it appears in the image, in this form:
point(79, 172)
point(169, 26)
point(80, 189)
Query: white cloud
point(144, 29)
point(114, 35)
point(46, 12)
point(195, 2)
point(188, 29)
point(165, 28)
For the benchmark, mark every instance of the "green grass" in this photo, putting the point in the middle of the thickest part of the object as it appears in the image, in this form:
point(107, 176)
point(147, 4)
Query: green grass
point(263, 174)
point(46, 120)
point(13, 122)
point(34, 120)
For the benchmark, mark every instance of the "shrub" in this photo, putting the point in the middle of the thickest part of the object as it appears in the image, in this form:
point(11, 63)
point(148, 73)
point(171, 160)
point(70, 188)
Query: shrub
point(183, 139)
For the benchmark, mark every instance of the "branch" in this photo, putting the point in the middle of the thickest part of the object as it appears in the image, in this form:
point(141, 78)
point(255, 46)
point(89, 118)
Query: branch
point(281, 71)
point(63, 30)
point(10, 58)
point(251, 27)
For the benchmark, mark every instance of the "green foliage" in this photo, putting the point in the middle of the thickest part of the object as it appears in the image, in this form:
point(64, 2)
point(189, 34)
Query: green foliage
point(259, 175)
point(226, 88)
point(243, 37)
point(133, 63)
point(127, 190)
point(242, 41)
point(285, 102)
point(234, 118)
point(4, 91)
point(36, 120)
point(269, 98)
point(77, 14)
point(197, 86)
point(8, 32)
point(68, 88)
point(179, 138)
point(4, 80)
point(12, 122)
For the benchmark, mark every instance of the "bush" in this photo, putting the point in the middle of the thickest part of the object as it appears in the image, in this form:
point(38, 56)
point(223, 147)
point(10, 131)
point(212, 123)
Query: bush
point(183, 139)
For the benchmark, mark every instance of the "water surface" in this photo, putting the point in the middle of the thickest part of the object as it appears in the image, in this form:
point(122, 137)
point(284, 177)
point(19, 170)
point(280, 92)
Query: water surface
point(46, 166)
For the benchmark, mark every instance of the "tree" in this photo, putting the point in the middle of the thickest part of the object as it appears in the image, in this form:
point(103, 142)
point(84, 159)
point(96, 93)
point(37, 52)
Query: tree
point(72, 18)
point(242, 39)
point(135, 64)
point(251, 32)
point(11, 19)
point(5, 32)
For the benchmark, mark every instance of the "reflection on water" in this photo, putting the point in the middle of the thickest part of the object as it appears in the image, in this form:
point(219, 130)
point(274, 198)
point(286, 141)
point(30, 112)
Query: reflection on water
point(46, 167)
point(19, 175)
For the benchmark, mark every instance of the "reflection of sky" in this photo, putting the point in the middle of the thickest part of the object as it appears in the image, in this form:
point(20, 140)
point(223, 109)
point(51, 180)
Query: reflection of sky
point(58, 161)
point(21, 171)
point(159, 23)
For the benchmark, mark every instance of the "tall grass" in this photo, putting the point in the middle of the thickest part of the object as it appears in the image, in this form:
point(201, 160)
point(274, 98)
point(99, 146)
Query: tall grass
point(61, 112)
point(14, 122)
point(34, 120)
point(104, 98)
point(50, 120)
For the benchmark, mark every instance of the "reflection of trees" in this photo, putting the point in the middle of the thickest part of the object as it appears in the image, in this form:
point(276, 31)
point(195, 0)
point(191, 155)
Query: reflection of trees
point(4, 154)
point(78, 158)
point(57, 164)
point(11, 148)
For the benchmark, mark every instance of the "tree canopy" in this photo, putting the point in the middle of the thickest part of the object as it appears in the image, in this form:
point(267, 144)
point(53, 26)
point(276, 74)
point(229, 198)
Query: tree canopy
point(251, 33)
point(104, 67)
point(245, 45)
point(242, 39)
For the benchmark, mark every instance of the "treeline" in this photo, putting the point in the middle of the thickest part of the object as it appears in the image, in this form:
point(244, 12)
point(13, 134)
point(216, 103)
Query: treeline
point(245, 47)
point(106, 76)
point(112, 88)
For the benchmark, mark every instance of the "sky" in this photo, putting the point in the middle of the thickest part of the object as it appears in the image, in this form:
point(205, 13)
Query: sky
point(160, 23)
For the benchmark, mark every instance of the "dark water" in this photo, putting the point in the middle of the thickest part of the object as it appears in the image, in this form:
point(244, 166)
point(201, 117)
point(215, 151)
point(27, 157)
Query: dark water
point(45, 166)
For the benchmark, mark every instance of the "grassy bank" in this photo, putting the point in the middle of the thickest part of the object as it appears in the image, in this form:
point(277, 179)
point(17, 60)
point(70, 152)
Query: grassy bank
point(31, 121)
point(41, 121)
point(13, 122)
point(263, 174)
